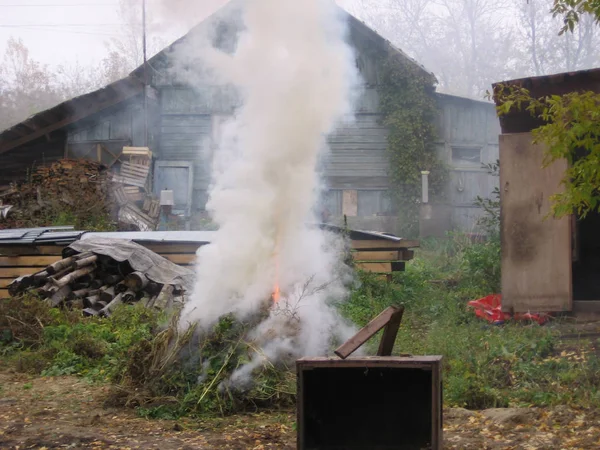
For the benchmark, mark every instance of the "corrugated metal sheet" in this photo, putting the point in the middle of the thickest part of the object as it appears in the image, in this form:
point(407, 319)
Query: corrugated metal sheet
point(39, 236)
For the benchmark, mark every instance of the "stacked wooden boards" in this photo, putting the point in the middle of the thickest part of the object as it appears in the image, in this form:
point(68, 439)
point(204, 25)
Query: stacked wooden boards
point(378, 256)
point(371, 255)
point(17, 261)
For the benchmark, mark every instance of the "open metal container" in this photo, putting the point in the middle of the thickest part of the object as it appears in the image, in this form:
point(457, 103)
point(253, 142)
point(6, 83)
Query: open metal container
point(370, 403)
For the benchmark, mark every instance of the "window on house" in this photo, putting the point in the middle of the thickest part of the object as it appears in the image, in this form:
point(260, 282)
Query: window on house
point(466, 157)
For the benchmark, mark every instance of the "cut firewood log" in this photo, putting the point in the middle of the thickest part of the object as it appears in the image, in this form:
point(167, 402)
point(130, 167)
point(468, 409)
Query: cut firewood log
point(129, 296)
point(107, 293)
point(125, 268)
point(19, 285)
point(69, 278)
point(96, 284)
point(153, 288)
point(39, 279)
point(83, 255)
point(76, 303)
point(60, 295)
point(120, 287)
point(91, 301)
point(99, 305)
point(60, 274)
point(84, 262)
point(59, 266)
point(164, 297)
point(80, 293)
point(78, 285)
point(90, 312)
point(47, 290)
point(112, 305)
point(112, 279)
point(136, 281)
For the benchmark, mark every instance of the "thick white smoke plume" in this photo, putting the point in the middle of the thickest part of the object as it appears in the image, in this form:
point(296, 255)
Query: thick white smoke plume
point(296, 77)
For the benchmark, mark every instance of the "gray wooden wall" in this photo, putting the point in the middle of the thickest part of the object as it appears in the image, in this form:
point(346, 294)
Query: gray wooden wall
point(355, 166)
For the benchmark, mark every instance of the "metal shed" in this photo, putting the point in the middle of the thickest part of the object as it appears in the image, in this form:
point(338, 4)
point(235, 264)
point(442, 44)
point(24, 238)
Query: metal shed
point(548, 264)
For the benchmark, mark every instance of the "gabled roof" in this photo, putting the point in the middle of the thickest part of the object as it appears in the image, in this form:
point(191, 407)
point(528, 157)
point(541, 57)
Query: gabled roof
point(85, 105)
point(69, 112)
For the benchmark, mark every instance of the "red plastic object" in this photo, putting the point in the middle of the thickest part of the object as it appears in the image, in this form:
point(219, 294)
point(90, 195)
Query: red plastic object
point(490, 309)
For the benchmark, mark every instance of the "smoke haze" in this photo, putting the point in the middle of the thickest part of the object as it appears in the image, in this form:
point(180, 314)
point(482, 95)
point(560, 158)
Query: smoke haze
point(296, 78)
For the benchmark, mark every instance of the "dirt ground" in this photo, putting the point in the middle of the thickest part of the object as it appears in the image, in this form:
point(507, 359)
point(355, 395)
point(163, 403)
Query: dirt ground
point(67, 412)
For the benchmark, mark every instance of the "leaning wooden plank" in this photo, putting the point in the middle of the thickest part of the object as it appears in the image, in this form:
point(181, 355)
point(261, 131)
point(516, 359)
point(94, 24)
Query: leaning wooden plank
point(365, 333)
point(383, 244)
point(386, 345)
point(383, 255)
point(26, 261)
point(375, 267)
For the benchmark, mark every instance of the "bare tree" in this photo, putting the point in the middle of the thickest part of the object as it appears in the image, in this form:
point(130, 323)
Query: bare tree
point(546, 50)
point(26, 85)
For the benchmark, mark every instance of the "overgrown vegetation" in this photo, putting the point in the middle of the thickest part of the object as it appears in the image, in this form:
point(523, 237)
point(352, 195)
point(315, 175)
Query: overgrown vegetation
point(409, 112)
point(167, 374)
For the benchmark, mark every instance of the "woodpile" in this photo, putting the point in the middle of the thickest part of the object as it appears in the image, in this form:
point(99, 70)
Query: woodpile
point(133, 190)
point(96, 284)
point(77, 188)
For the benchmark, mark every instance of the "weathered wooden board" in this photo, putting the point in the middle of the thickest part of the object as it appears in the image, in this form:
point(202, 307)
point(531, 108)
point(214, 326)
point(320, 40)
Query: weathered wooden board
point(536, 249)
point(30, 250)
point(375, 267)
point(4, 282)
point(27, 261)
point(182, 258)
point(14, 272)
point(377, 244)
point(4, 293)
point(383, 255)
point(165, 249)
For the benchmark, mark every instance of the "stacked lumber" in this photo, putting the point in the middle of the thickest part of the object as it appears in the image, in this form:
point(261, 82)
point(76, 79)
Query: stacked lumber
point(382, 256)
point(96, 284)
point(77, 187)
point(133, 193)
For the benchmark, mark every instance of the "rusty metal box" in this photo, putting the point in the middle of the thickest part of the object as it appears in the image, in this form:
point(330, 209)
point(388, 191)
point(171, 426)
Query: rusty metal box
point(370, 403)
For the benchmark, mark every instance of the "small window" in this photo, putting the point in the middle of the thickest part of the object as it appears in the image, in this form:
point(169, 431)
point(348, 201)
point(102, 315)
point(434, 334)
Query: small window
point(466, 156)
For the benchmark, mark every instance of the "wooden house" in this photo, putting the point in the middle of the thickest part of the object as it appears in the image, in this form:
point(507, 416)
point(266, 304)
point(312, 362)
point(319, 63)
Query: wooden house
point(548, 264)
point(182, 126)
